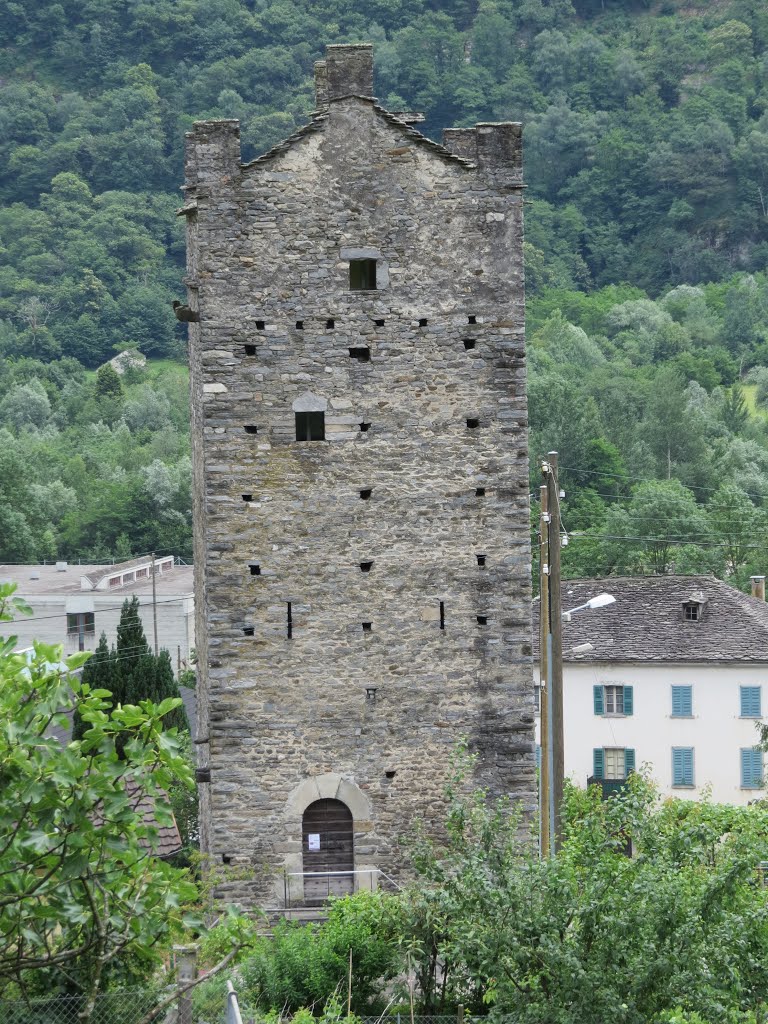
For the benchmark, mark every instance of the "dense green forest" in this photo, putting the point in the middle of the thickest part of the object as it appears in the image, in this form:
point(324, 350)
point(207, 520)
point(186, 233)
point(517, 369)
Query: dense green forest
point(646, 157)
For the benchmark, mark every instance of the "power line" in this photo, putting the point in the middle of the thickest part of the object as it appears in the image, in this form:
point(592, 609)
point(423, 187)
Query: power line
point(651, 480)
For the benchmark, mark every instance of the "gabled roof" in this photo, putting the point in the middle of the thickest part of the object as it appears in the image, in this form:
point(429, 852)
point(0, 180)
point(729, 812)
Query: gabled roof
point(320, 119)
point(647, 622)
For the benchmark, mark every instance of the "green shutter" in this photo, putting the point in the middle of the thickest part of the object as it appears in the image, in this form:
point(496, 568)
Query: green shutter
point(750, 701)
point(598, 762)
point(628, 699)
point(677, 766)
point(751, 767)
point(597, 695)
point(682, 766)
point(629, 761)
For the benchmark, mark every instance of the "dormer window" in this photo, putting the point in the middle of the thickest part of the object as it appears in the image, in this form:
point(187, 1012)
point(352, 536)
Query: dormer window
point(693, 607)
point(692, 611)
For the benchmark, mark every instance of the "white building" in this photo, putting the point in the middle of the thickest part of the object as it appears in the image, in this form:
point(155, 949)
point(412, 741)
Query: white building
point(74, 604)
point(677, 679)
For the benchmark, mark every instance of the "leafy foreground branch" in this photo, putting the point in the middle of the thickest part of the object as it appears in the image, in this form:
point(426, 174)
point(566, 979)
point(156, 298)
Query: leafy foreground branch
point(85, 903)
point(676, 933)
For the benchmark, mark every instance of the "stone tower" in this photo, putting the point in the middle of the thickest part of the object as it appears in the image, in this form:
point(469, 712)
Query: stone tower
point(361, 483)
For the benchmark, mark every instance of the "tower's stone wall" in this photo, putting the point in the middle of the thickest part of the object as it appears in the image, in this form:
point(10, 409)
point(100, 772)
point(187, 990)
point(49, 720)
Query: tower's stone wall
point(269, 251)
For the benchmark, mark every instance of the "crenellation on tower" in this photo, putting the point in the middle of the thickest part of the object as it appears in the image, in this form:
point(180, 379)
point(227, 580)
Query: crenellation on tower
point(360, 300)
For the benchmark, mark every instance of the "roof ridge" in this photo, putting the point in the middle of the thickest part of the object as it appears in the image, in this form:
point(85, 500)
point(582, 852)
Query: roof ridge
point(319, 119)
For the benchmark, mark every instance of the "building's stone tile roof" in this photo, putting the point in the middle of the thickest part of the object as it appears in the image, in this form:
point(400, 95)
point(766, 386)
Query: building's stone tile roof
point(647, 621)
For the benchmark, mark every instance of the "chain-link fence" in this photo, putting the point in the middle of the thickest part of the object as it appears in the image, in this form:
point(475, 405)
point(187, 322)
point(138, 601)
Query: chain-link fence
point(110, 1008)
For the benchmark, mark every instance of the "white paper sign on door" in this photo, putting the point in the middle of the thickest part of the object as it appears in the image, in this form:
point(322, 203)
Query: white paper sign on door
point(313, 841)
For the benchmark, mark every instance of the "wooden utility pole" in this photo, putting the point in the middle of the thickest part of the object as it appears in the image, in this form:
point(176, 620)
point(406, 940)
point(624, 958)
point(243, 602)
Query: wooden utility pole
point(154, 599)
point(556, 652)
point(544, 718)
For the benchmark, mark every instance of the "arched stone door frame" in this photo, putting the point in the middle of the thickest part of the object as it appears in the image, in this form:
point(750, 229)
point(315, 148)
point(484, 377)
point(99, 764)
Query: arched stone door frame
point(329, 786)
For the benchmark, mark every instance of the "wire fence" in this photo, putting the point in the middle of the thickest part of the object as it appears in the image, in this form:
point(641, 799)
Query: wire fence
point(110, 1008)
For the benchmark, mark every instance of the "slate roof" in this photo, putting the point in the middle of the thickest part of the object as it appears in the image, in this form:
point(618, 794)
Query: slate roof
point(647, 622)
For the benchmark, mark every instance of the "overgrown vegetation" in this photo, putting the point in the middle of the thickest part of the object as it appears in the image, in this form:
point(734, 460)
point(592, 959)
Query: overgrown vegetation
point(676, 933)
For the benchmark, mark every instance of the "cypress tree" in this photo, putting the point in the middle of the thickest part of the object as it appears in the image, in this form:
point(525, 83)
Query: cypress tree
point(131, 672)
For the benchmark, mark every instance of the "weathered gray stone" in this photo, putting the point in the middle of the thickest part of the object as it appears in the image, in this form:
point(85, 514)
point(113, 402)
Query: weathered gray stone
point(288, 714)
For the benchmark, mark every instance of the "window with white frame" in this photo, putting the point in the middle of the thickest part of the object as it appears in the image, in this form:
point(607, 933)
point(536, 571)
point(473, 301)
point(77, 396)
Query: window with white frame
point(614, 763)
point(613, 699)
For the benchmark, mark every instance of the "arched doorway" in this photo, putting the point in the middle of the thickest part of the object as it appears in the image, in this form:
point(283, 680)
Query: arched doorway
point(328, 854)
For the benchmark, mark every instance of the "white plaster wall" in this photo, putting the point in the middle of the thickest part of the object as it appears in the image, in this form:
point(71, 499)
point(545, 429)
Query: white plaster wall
point(175, 622)
point(716, 732)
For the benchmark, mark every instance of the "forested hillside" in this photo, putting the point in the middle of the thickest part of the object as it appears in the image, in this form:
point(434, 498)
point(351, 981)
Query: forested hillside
point(646, 157)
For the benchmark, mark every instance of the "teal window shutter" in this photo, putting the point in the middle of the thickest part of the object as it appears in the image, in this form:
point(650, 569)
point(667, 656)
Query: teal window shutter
point(598, 762)
point(597, 694)
point(682, 701)
point(629, 761)
point(682, 766)
point(628, 699)
point(538, 755)
point(751, 767)
point(750, 701)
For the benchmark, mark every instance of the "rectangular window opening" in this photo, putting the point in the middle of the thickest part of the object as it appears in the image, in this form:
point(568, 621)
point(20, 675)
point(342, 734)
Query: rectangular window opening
point(367, 627)
point(473, 423)
point(379, 323)
point(750, 702)
point(255, 568)
point(260, 325)
point(330, 323)
point(482, 620)
point(248, 630)
point(481, 561)
point(751, 768)
point(366, 566)
point(614, 700)
point(247, 497)
point(479, 492)
point(250, 350)
point(471, 319)
point(615, 766)
point(362, 275)
point(682, 701)
point(365, 493)
point(289, 620)
point(364, 428)
point(250, 428)
point(682, 766)
point(423, 322)
point(299, 325)
point(82, 625)
point(362, 354)
point(442, 615)
point(310, 426)
point(469, 343)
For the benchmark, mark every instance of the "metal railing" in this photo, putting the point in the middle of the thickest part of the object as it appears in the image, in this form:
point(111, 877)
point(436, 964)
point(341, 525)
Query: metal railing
point(325, 884)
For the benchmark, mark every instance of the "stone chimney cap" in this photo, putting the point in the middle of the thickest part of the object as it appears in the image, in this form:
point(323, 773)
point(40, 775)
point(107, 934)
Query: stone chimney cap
point(349, 70)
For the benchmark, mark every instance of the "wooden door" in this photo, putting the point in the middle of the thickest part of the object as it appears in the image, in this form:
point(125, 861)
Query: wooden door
point(327, 843)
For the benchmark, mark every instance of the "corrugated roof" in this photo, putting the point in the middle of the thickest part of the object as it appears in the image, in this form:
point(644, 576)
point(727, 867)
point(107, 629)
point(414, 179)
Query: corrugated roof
point(647, 622)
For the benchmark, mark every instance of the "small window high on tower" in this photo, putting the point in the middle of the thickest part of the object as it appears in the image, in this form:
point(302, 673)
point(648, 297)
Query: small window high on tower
point(310, 426)
point(362, 275)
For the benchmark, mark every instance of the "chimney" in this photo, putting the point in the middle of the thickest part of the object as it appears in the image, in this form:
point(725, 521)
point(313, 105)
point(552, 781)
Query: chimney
point(349, 70)
point(500, 151)
point(758, 587)
point(321, 85)
point(212, 152)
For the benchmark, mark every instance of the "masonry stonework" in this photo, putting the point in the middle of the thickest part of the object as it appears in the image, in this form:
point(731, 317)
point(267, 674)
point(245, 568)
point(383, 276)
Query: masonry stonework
point(363, 601)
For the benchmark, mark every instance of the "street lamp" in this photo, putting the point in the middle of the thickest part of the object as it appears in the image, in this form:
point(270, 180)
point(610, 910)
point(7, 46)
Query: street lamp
point(599, 601)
